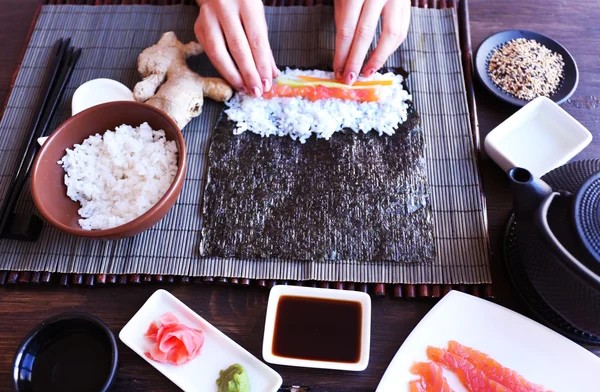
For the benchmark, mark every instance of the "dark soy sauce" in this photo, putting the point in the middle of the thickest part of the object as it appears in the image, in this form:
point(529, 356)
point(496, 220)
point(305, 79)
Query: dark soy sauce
point(77, 361)
point(318, 329)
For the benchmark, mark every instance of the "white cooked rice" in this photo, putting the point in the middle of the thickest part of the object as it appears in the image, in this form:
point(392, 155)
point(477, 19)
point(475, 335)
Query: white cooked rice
point(299, 118)
point(119, 176)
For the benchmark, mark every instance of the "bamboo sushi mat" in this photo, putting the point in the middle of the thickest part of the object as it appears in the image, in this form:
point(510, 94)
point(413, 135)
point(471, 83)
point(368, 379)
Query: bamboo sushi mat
point(113, 36)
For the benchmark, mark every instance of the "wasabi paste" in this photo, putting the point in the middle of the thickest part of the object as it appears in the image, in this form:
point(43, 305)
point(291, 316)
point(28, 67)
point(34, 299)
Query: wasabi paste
point(233, 379)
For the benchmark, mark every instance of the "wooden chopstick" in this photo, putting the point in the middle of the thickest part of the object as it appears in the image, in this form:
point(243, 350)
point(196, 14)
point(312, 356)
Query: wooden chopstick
point(62, 63)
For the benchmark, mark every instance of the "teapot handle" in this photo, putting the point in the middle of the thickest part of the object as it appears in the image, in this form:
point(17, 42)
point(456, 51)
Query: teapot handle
point(556, 247)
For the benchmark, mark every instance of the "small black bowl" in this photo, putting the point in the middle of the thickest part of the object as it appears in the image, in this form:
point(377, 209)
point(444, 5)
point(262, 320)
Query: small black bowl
point(567, 86)
point(67, 352)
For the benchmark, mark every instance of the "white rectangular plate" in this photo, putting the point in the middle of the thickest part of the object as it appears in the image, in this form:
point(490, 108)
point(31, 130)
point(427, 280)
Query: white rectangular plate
point(217, 353)
point(539, 354)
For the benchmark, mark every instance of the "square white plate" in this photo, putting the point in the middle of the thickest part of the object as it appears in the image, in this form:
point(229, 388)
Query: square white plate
point(342, 295)
point(539, 137)
point(539, 354)
point(217, 353)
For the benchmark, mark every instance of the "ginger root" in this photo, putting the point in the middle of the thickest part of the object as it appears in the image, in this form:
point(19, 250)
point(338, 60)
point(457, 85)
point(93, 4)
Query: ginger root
point(180, 90)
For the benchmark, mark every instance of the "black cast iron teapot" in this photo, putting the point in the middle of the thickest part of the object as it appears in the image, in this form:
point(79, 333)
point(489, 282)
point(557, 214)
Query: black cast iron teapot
point(558, 235)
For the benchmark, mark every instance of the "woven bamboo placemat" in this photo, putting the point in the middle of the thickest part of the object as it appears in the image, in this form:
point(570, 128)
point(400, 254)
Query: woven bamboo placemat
point(111, 39)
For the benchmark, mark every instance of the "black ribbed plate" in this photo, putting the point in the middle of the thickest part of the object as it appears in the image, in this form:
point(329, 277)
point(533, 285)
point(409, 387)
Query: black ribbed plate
point(587, 222)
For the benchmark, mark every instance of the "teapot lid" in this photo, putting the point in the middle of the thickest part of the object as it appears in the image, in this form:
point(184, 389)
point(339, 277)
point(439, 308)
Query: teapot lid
point(586, 210)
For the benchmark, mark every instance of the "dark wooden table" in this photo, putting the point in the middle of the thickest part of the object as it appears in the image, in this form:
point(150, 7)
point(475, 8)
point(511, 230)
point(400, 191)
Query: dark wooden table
point(239, 311)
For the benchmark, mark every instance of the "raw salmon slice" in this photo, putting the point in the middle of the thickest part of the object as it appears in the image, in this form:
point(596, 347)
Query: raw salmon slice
point(432, 378)
point(494, 370)
point(418, 385)
point(475, 380)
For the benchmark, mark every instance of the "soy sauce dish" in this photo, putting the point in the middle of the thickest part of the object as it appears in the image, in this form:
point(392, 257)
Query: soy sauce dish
point(318, 328)
point(68, 352)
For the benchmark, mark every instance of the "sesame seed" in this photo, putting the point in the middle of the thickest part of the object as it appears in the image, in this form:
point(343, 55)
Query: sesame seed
point(526, 69)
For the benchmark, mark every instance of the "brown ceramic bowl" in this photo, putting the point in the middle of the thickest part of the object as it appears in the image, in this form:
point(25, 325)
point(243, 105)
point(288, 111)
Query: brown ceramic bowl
point(47, 176)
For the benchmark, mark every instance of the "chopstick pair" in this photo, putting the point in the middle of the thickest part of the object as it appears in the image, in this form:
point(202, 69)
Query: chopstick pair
point(63, 59)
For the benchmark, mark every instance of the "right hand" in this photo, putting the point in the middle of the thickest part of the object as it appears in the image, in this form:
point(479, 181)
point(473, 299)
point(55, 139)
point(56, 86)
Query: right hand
point(241, 27)
point(355, 23)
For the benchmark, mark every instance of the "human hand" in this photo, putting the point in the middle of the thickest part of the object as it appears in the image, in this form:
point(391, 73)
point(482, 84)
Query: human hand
point(241, 27)
point(355, 22)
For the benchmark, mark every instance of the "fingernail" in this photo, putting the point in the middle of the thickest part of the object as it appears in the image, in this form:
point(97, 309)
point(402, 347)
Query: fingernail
point(338, 75)
point(242, 89)
point(256, 91)
point(266, 85)
point(350, 78)
point(369, 71)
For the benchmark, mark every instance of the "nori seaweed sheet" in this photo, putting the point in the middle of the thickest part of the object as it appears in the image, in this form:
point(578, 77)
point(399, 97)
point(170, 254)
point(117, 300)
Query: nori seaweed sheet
point(355, 196)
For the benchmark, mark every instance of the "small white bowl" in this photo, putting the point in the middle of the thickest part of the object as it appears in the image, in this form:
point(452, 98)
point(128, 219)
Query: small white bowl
point(341, 295)
point(97, 91)
point(539, 137)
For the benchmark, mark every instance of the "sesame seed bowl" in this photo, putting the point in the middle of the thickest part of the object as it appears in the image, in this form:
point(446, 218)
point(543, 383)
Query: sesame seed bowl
point(519, 65)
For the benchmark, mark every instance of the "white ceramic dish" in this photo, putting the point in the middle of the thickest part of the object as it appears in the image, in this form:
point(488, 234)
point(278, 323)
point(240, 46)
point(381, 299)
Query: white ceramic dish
point(218, 352)
point(278, 291)
point(536, 352)
point(98, 91)
point(95, 92)
point(539, 137)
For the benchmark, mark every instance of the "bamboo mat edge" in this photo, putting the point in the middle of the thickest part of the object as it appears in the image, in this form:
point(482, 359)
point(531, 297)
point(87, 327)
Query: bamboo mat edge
point(397, 290)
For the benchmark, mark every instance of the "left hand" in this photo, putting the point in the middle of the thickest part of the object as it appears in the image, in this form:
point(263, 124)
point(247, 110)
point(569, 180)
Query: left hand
point(355, 22)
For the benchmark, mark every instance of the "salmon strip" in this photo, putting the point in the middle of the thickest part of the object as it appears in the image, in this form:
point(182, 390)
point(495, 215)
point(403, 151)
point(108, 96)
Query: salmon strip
point(472, 378)
point(432, 378)
point(383, 82)
point(315, 93)
point(494, 370)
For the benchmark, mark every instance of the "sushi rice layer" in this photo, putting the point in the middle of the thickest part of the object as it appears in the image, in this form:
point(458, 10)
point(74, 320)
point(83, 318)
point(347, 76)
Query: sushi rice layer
point(300, 118)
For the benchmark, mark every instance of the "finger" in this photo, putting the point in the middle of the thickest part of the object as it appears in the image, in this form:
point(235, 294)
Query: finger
point(396, 18)
point(365, 32)
point(255, 26)
point(347, 14)
point(274, 66)
point(209, 34)
point(238, 45)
